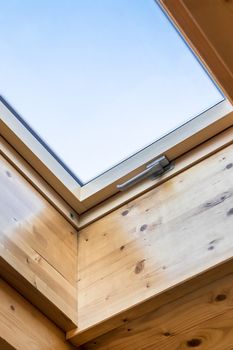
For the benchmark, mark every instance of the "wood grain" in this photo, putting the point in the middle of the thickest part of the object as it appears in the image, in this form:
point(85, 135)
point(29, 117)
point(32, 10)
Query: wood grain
point(203, 317)
point(169, 235)
point(38, 248)
point(23, 327)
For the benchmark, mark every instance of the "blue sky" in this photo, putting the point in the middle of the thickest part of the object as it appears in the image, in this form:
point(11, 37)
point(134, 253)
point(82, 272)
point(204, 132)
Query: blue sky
point(98, 80)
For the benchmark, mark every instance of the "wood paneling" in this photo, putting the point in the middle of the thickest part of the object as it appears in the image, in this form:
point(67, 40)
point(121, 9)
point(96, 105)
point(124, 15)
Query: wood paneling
point(203, 318)
point(38, 248)
point(169, 235)
point(23, 327)
point(208, 26)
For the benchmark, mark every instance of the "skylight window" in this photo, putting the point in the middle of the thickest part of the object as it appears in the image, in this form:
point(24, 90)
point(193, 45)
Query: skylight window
point(99, 80)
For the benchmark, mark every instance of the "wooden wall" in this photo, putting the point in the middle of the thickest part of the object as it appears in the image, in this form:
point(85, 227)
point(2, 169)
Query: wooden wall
point(202, 319)
point(136, 270)
point(38, 248)
point(23, 327)
point(169, 235)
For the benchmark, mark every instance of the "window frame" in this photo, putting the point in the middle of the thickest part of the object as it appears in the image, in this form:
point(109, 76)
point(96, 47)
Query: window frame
point(83, 198)
point(93, 194)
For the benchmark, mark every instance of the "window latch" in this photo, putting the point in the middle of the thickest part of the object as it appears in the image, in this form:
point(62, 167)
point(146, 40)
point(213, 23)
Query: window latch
point(155, 169)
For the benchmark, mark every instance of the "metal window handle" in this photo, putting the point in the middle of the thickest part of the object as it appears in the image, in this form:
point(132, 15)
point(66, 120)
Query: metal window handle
point(156, 168)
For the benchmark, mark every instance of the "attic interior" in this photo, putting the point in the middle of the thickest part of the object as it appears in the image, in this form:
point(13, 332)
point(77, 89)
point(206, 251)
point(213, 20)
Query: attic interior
point(117, 250)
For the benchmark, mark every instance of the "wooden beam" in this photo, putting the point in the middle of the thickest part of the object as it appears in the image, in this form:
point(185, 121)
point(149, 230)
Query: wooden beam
point(23, 327)
point(202, 318)
point(38, 250)
point(38, 293)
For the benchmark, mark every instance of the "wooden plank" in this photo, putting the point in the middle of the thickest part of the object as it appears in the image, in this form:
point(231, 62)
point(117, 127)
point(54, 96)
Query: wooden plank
point(110, 326)
point(38, 248)
point(170, 234)
point(26, 214)
point(23, 327)
point(214, 334)
point(207, 25)
point(176, 324)
point(37, 292)
point(38, 182)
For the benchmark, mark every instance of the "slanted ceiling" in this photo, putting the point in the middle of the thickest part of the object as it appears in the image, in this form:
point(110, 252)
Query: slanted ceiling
point(157, 273)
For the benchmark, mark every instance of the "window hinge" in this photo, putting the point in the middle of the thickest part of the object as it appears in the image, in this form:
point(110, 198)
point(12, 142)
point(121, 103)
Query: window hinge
point(155, 169)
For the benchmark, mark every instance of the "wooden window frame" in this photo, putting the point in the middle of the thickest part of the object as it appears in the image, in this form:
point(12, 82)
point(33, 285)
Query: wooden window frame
point(91, 201)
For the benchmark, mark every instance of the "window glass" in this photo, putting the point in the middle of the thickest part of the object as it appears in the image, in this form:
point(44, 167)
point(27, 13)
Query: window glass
point(98, 80)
